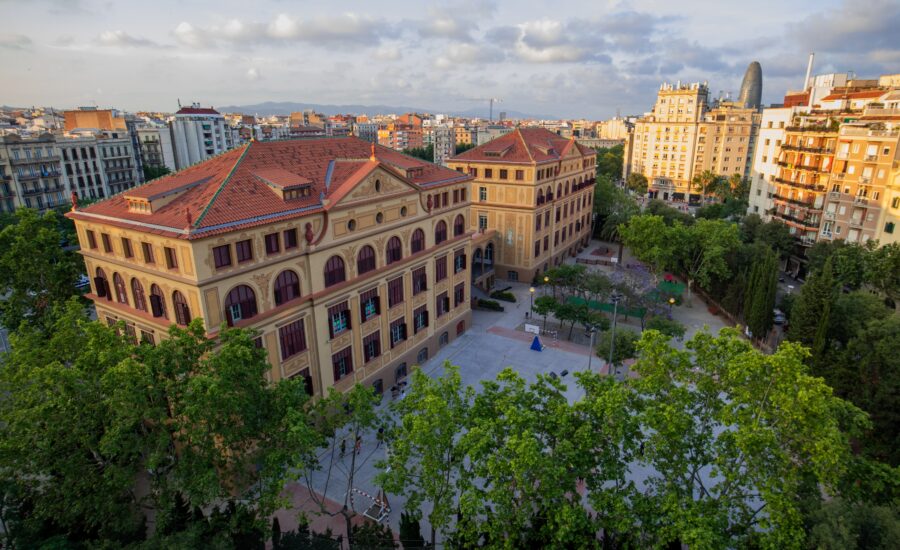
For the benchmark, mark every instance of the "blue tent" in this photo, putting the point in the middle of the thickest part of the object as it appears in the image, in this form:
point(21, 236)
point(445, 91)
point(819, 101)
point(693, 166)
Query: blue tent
point(536, 344)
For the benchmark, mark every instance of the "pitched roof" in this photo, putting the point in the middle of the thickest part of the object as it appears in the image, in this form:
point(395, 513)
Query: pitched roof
point(245, 186)
point(196, 111)
point(523, 145)
point(854, 95)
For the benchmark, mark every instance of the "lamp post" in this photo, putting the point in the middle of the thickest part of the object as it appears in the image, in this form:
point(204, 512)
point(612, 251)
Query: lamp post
point(612, 340)
point(671, 303)
point(531, 309)
point(593, 331)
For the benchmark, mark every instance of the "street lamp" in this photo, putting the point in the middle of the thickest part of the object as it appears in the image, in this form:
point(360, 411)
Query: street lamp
point(671, 303)
point(546, 282)
point(531, 309)
point(593, 331)
point(612, 340)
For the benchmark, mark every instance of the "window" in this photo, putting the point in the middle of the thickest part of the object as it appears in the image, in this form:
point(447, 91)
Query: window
point(342, 363)
point(440, 268)
point(290, 239)
point(504, 174)
point(459, 261)
point(126, 248)
point(171, 258)
point(459, 225)
point(147, 249)
point(460, 327)
point(243, 251)
point(398, 331)
point(147, 338)
point(537, 223)
point(462, 194)
point(520, 175)
point(419, 280)
point(482, 193)
point(459, 294)
point(418, 241)
point(895, 202)
point(537, 248)
point(440, 232)
point(395, 291)
point(157, 302)
point(182, 311)
point(334, 271)
point(482, 222)
point(443, 339)
point(365, 260)
point(372, 346)
point(272, 244)
point(293, 339)
point(547, 218)
point(222, 256)
point(121, 294)
point(339, 319)
point(443, 304)
point(422, 356)
point(137, 293)
point(512, 275)
point(107, 244)
point(369, 304)
point(92, 240)
point(394, 250)
point(420, 319)
point(473, 172)
point(240, 304)
point(287, 287)
point(488, 173)
point(445, 198)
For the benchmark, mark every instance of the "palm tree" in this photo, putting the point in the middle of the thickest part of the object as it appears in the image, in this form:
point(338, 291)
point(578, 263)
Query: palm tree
point(706, 182)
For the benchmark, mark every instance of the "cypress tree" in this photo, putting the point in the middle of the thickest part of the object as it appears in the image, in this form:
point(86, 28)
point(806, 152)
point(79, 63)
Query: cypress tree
point(811, 306)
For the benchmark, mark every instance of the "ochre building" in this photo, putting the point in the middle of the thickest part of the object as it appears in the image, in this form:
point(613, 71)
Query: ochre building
point(535, 189)
point(351, 260)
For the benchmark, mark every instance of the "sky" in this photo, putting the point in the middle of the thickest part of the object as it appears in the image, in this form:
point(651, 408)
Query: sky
point(587, 59)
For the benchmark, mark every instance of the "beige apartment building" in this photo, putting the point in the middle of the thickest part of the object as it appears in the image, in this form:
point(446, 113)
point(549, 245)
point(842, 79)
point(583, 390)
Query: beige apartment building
point(349, 259)
point(535, 189)
point(683, 137)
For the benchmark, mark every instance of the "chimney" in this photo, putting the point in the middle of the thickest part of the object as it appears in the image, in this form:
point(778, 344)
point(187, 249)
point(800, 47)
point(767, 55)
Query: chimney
point(809, 67)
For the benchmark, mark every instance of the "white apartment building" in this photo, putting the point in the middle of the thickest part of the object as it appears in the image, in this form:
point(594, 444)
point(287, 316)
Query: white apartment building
point(199, 133)
point(765, 161)
point(444, 144)
point(156, 147)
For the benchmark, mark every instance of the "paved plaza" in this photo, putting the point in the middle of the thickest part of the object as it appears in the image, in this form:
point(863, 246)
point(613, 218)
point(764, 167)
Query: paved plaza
point(494, 342)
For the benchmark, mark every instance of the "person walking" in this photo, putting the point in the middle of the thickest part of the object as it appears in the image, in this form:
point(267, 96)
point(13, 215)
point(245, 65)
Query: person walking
point(358, 447)
point(343, 447)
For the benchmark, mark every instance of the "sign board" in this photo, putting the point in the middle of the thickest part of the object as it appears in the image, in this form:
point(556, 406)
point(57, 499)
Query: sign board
point(534, 329)
point(614, 259)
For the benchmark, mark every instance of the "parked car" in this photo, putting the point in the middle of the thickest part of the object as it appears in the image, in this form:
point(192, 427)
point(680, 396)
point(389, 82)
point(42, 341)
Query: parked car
point(779, 317)
point(83, 282)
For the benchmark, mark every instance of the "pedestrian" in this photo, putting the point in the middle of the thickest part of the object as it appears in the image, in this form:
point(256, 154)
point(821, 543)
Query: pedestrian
point(379, 437)
point(642, 448)
point(358, 446)
point(343, 447)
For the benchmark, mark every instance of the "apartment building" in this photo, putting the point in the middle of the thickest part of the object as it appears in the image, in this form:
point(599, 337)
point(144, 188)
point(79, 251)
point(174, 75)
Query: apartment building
point(349, 259)
point(726, 139)
point(366, 131)
point(199, 133)
point(771, 135)
point(463, 135)
point(444, 139)
point(535, 189)
point(399, 136)
point(98, 165)
point(889, 224)
point(31, 173)
point(156, 147)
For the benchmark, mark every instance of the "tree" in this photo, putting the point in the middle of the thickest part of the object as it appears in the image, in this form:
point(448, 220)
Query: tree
point(649, 239)
point(35, 271)
point(463, 147)
point(425, 460)
point(425, 153)
point(544, 305)
point(625, 345)
point(373, 536)
point(707, 183)
point(883, 271)
point(842, 525)
point(759, 300)
point(811, 309)
point(637, 183)
point(670, 215)
point(736, 487)
point(777, 236)
point(573, 313)
point(153, 172)
point(669, 327)
point(850, 313)
point(411, 533)
point(609, 161)
point(699, 251)
point(613, 207)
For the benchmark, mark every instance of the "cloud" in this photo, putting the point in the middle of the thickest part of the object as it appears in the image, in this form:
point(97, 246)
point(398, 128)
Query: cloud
point(852, 28)
point(551, 41)
point(122, 39)
point(388, 53)
point(15, 42)
point(467, 54)
point(253, 74)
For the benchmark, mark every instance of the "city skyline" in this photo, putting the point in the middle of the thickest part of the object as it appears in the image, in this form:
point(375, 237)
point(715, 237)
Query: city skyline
point(576, 61)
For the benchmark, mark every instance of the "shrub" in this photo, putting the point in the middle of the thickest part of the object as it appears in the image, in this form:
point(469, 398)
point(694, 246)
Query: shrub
point(503, 295)
point(490, 304)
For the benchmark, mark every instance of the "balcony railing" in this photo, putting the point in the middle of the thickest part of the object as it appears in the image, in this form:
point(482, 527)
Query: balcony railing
point(871, 158)
point(843, 155)
point(811, 224)
point(858, 224)
point(791, 166)
point(869, 132)
point(810, 186)
point(861, 200)
point(804, 204)
point(834, 195)
point(828, 215)
point(865, 179)
point(820, 129)
point(35, 160)
point(802, 149)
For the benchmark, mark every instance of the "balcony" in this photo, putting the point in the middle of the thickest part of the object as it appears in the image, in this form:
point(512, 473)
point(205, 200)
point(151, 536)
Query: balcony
point(865, 180)
point(869, 132)
point(802, 204)
point(857, 224)
point(807, 224)
point(871, 158)
point(828, 215)
point(807, 241)
point(810, 186)
point(802, 149)
point(860, 200)
point(835, 195)
point(39, 160)
point(843, 155)
point(827, 234)
point(819, 128)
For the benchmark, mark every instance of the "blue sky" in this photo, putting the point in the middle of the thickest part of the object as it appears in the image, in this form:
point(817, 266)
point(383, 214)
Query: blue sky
point(572, 59)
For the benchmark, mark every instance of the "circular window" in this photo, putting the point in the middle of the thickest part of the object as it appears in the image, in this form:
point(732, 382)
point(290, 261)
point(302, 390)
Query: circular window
point(403, 211)
point(351, 225)
point(379, 217)
point(378, 186)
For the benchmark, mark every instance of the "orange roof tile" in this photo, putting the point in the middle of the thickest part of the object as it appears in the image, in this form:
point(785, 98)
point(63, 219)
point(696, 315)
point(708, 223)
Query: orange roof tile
point(854, 95)
point(238, 189)
point(523, 145)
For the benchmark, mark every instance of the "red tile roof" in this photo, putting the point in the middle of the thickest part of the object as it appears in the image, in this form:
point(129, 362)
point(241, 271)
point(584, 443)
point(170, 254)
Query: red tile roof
point(196, 111)
point(238, 189)
point(854, 95)
point(523, 145)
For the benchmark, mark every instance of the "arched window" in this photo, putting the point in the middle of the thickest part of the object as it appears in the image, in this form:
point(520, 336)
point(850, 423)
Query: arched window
point(567, 188)
point(459, 225)
point(287, 287)
point(157, 302)
point(365, 260)
point(394, 250)
point(101, 283)
point(240, 304)
point(558, 190)
point(137, 293)
point(182, 311)
point(440, 232)
point(540, 196)
point(418, 241)
point(549, 193)
point(334, 271)
point(121, 293)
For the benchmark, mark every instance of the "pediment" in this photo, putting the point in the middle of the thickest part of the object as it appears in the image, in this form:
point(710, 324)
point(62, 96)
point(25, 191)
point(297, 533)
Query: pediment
point(378, 183)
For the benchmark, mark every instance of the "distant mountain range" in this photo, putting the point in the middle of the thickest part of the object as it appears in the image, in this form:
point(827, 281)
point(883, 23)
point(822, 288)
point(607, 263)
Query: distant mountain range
point(287, 107)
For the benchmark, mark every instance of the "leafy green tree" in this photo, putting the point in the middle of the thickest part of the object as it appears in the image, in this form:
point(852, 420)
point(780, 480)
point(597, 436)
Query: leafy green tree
point(573, 313)
point(707, 183)
point(669, 327)
point(759, 301)
point(777, 236)
point(699, 251)
point(842, 525)
point(544, 305)
point(625, 345)
point(609, 161)
point(411, 532)
point(812, 308)
point(649, 239)
point(637, 183)
point(463, 147)
point(708, 487)
point(883, 271)
point(153, 172)
point(670, 215)
point(425, 460)
point(613, 207)
point(373, 536)
point(425, 153)
point(36, 273)
point(850, 313)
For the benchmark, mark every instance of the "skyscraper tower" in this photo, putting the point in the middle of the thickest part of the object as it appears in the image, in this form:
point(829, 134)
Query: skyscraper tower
point(751, 87)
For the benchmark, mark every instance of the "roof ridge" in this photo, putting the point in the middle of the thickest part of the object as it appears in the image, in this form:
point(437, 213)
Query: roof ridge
point(222, 185)
point(525, 144)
